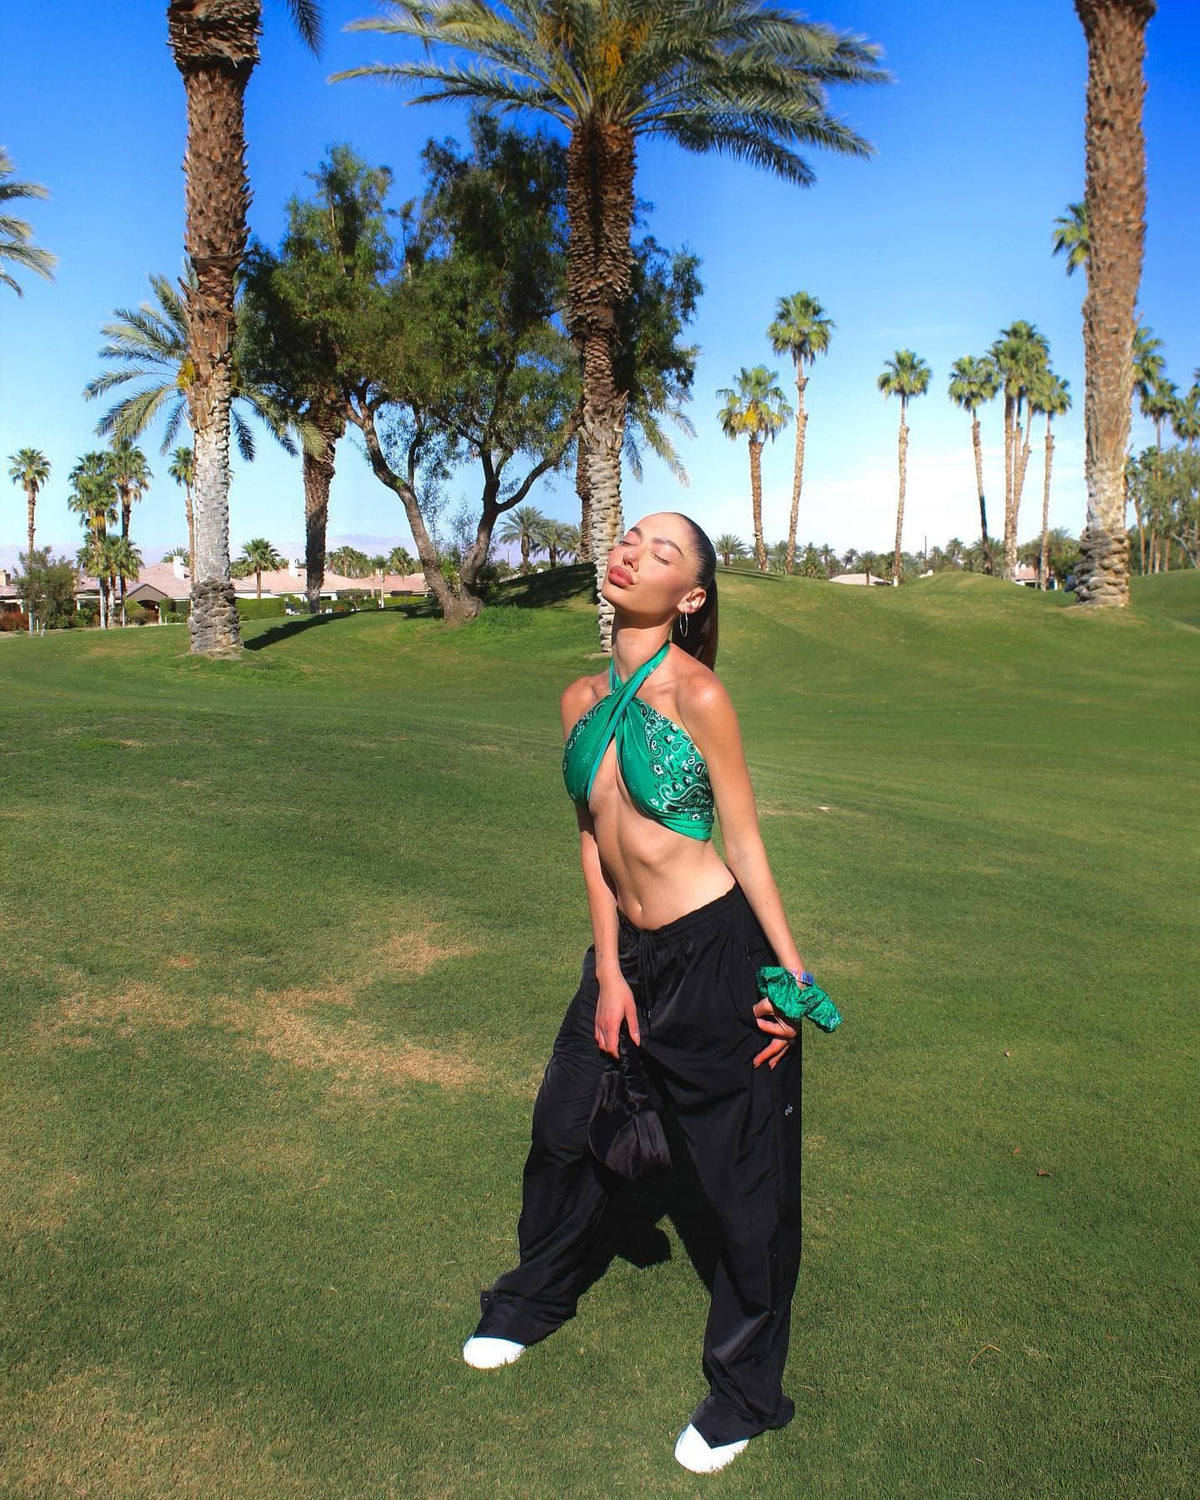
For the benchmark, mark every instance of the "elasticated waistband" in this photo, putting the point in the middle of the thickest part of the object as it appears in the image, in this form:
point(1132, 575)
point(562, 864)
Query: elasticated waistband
point(734, 900)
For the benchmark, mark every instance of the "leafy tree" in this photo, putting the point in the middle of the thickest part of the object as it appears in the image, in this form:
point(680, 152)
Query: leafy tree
point(905, 375)
point(335, 253)
point(1115, 193)
point(16, 235)
point(478, 365)
point(47, 589)
point(1072, 236)
point(1164, 485)
point(1020, 354)
point(30, 468)
point(972, 383)
point(734, 76)
point(727, 547)
point(802, 330)
point(756, 410)
point(215, 48)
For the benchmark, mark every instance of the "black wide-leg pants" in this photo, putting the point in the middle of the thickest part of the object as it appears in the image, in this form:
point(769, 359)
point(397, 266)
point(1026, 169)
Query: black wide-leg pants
point(694, 984)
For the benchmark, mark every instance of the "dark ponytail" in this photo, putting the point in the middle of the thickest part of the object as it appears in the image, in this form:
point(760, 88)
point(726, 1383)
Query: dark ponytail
point(701, 638)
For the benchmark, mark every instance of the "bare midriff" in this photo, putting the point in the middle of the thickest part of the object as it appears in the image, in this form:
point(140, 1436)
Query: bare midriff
point(655, 873)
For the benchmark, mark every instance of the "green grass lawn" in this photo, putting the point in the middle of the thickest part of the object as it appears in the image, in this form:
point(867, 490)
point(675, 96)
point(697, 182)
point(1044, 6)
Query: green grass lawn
point(284, 943)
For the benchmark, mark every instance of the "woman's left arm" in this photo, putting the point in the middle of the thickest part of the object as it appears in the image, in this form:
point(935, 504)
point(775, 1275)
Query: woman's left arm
point(712, 722)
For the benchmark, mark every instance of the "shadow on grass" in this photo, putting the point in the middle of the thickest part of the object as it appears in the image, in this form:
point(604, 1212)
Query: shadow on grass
point(291, 627)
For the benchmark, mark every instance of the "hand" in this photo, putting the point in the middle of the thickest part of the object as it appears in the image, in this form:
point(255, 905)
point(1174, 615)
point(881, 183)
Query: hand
point(783, 1032)
point(614, 1006)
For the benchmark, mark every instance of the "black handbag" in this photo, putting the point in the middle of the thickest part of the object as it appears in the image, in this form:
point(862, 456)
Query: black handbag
point(624, 1131)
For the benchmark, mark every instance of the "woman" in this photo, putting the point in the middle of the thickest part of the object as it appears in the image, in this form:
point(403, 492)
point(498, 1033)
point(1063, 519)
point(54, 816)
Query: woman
point(651, 744)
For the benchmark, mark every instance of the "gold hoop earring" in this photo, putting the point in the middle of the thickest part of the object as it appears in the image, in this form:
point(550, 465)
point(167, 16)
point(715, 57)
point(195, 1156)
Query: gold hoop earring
point(683, 625)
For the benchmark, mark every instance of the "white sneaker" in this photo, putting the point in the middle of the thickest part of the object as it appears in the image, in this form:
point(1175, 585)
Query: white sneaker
point(694, 1453)
point(490, 1354)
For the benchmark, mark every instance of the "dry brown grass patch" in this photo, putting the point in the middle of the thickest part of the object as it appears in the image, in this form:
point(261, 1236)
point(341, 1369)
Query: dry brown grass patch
point(412, 953)
point(277, 1023)
point(96, 1431)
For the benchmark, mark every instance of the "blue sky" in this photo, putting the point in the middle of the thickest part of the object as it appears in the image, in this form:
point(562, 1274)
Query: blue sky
point(935, 244)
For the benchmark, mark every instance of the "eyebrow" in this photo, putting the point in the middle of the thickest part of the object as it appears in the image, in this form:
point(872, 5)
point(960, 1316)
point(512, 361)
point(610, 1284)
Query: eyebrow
point(665, 540)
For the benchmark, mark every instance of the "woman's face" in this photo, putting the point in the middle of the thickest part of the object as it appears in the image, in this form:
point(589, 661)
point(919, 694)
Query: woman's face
point(651, 573)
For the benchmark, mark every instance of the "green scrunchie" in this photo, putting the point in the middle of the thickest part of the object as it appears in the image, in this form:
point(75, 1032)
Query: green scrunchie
point(780, 987)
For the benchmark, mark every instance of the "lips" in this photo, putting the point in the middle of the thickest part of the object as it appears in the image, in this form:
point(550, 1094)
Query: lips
point(620, 577)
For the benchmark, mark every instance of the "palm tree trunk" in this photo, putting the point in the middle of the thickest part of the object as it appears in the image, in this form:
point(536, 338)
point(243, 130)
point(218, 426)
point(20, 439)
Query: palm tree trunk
point(126, 507)
point(977, 446)
point(1019, 481)
point(903, 456)
point(1141, 541)
point(1016, 477)
point(600, 171)
point(798, 470)
point(1010, 544)
point(215, 49)
point(191, 525)
point(318, 477)
point(30, 506)
point(583, 490)
point(1116, 193)
point(760, 551)
point(1043, 570)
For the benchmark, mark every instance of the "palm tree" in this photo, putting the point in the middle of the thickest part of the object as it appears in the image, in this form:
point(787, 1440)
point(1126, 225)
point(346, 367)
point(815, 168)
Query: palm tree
point(730, 76)
point(123, 562)
point(401, 561)
point(259, 555)
point(1020, 354)
point(215, 47)
point(557, 537)
point(1185, 416)
point(16, 236)
point(972, 382)
point(728, 546)
point(802, 330)
point(93, 497)
point(905, 375)
point(524, 525)
point(151, 343)
point(30, 468)
point(132, 476)
point(756, 411)
point(182, 469)
point(1116, 197)
point(1050, 396)
point(1072, 236)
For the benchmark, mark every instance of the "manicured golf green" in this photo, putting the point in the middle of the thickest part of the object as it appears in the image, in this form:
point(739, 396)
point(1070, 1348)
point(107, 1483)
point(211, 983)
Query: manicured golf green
point(284, 943)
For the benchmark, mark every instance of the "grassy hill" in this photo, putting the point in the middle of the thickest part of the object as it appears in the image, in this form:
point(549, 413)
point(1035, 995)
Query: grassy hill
point(284, 943)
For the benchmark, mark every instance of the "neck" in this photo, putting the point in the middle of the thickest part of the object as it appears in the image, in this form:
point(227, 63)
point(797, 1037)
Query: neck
point(634, 645)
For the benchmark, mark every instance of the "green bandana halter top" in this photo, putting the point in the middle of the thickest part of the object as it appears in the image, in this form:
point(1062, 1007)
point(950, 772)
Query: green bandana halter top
point(660, 764)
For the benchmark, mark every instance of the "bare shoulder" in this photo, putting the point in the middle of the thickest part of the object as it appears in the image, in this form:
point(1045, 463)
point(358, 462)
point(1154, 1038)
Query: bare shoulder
point(701, 695)
point(578, 696)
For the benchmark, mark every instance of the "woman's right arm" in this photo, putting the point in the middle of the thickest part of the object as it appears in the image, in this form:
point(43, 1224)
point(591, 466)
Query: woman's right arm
point(615, 1003)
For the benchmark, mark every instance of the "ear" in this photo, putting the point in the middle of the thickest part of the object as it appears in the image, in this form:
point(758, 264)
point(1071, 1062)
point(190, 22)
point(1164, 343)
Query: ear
point(693, 599)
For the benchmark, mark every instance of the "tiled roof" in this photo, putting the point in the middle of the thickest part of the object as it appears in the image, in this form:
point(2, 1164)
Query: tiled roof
point(276, 583)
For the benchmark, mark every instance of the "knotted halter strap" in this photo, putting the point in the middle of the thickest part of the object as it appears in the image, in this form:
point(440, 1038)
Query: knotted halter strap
point(608, 713)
